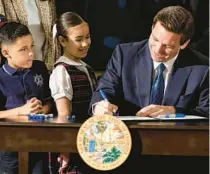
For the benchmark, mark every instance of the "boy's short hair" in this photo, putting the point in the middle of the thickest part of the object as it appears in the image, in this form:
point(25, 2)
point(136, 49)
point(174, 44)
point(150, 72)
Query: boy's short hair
point(10, 31)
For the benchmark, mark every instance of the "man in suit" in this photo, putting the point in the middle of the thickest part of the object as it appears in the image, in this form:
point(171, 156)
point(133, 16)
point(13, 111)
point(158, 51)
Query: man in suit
point(134, 83)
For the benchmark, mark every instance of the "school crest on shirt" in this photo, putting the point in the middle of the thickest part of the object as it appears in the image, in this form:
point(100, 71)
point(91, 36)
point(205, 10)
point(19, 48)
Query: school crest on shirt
point(38, 79)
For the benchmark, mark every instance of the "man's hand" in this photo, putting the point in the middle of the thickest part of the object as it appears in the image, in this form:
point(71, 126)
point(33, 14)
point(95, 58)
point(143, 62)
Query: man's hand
point(104, 107)
point(155, 110)
point(32, 106)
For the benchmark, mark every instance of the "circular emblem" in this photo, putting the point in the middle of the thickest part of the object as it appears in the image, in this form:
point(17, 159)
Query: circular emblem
point(104, 142)
point(38, 79)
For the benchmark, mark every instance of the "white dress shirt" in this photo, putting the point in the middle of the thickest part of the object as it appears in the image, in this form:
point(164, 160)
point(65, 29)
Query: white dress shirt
point(60, 81)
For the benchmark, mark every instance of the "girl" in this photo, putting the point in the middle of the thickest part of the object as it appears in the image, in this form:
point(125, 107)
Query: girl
point(72, 81)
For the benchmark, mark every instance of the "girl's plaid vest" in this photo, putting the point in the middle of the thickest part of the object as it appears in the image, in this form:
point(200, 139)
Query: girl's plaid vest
point(82, 91)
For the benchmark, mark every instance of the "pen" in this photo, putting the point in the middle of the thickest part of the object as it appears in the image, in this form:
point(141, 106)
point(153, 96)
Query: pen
point(177, 115)
point(103, 95)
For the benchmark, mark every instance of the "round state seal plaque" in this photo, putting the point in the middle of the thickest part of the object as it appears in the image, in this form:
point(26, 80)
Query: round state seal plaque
point(104, 142)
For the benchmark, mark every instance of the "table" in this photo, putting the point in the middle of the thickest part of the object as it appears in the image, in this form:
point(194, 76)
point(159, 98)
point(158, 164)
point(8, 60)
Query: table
point(158, 138)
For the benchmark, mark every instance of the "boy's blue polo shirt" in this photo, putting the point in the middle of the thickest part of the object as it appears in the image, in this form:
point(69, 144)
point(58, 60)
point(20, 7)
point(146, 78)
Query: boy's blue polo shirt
point(18, 86)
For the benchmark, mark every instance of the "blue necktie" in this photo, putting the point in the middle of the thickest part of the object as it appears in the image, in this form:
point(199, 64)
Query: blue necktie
point(158, 86)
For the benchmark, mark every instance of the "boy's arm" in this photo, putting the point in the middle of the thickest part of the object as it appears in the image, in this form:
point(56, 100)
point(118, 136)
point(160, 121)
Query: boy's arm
point(32, 106)
point(6, 113)
point(12, 113)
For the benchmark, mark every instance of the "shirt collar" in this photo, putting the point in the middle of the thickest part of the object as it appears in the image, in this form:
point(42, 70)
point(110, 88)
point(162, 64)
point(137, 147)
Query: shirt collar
point(169, 64)
point(11, 71)
point(8, 69)
point(70, 61)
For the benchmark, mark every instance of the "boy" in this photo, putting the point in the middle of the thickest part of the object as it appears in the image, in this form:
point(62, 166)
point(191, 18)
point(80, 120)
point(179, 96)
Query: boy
point(24, 88)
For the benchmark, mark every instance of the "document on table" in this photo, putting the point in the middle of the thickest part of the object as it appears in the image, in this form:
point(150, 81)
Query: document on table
point(171, 117)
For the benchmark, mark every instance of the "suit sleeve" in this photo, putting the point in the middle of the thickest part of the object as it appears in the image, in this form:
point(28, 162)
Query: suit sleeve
point(110, 82)
point(202, 107)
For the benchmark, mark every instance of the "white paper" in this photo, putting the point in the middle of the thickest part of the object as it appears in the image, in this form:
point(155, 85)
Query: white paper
point(135, 118)
point(127, 118)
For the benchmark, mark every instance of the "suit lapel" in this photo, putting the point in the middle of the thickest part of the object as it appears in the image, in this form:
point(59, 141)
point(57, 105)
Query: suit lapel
point(143, 72)
point(177, 82)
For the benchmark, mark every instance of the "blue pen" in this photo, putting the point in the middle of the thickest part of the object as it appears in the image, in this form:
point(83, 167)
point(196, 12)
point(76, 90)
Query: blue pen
point(103, 95)
point(177, 115)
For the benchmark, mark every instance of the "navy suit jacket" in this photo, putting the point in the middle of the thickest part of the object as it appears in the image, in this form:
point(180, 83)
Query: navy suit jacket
point(127, 80)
